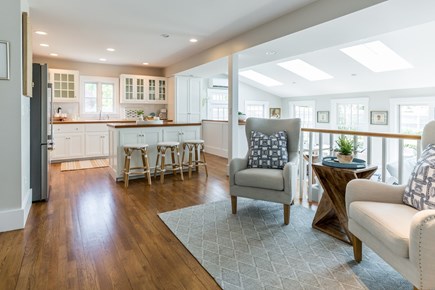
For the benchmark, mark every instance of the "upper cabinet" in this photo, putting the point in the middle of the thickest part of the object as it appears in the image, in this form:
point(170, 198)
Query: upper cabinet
point(65, 85)
point(143, 89)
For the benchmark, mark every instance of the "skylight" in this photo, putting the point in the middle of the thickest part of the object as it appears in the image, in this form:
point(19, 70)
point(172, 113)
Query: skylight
point(305, 70)
point(260, 78)
point(376, 56)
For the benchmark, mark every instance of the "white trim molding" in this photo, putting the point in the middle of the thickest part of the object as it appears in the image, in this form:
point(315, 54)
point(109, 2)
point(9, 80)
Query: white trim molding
point(15, 219)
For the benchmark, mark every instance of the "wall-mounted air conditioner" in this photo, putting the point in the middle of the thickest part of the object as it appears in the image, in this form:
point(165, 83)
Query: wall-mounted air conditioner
point(218, 83)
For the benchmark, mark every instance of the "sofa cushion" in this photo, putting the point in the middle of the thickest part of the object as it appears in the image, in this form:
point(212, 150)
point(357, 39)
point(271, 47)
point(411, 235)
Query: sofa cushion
point(268, 151)
point(261, 178)
point(388, 222)
point(420, 190)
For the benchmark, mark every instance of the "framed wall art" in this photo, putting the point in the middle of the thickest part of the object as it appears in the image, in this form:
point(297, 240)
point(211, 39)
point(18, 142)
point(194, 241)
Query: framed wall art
point(275, 113)
point(4, 60)
point(322, 116)
point(379, 117)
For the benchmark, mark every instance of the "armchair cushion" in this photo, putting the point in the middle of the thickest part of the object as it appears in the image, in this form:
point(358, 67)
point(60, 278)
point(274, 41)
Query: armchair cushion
point(268, 151)
point(389, 223)
point(420, 191)
point(260, 178)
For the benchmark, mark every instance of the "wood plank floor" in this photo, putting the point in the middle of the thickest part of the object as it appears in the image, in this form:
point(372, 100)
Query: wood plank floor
point(94, 234)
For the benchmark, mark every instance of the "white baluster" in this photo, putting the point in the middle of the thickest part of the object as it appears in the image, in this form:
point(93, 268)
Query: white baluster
point(400, 165)
point(301, 167)
point(384, 159)
point(310, 168)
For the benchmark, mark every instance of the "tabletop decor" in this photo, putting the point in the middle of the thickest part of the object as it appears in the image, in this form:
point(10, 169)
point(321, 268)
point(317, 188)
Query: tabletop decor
point(345, 149)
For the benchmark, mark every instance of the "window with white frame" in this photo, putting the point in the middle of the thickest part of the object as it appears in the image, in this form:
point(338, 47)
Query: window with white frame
point(303, 110)
point(257, 109)
point(217, 105)
point(350, 114)
point(99, 94)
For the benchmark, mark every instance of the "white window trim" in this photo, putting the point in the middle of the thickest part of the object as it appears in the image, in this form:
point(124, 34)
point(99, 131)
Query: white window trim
point(396, 102)
point(265, 104)
point(293, 104)
point(99, 80)
point(209, 102)
point(335, 102)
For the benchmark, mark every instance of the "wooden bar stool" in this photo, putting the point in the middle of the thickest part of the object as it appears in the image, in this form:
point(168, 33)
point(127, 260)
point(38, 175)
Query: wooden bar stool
point(162, 147)
point(144, 169)
point(197, 147)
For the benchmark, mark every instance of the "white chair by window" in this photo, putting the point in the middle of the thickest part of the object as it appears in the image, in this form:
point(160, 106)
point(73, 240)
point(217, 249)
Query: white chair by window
point(401, 234)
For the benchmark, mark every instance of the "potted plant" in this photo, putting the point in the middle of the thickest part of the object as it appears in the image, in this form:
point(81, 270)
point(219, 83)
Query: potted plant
point(242, 117)
point(140, 114)
point(345, 149)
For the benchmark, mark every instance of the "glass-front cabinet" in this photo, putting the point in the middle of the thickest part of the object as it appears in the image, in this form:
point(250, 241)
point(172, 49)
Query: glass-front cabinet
point(143, 89)
point(65, 85)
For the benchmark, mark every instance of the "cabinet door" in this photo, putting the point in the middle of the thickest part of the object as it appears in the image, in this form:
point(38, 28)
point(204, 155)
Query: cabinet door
point(172, 134)
point(65, 85)
point(190, 133)
point(140, 89)
point(60, 150)
point(76, 145)
point(195, 100)
point(151, 89)
point(182, 99)
point(162, 90)
point(93, 144)
point(127, 88)
point(105, 144)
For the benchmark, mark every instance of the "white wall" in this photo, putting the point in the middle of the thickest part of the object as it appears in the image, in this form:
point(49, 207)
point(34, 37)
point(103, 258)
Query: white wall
point(249, 93)
point(15, 194)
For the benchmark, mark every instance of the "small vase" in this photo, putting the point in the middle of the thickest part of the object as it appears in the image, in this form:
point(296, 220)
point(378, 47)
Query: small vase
point(243, 118)
point(140, 117)
point(344, 158)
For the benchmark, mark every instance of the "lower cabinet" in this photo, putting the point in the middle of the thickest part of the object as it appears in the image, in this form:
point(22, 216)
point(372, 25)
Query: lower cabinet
point(97, 144)
point(68, 146)
point(80, 141)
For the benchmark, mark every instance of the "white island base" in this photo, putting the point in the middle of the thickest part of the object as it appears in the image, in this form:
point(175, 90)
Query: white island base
point(121, 134)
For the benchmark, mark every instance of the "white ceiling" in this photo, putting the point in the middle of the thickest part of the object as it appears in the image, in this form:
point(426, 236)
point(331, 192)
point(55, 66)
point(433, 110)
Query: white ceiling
point(81, 30)
point(403, 26)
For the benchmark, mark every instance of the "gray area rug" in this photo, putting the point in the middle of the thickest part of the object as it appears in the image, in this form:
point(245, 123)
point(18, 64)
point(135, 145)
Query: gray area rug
point(254, 250)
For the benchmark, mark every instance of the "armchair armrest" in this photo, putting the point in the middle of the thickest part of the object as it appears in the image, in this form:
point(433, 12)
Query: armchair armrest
point(236, 165)
point(422, 246)
point(366, 190)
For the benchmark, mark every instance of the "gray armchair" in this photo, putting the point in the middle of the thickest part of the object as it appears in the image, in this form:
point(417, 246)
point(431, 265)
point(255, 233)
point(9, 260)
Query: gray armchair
point(403, 236)
point(273, 185)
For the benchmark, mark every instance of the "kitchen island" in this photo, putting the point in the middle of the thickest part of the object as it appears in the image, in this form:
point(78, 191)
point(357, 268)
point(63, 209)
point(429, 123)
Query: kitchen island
point(127, 133)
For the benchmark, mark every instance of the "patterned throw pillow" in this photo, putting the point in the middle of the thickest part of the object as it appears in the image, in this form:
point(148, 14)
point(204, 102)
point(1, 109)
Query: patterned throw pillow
point(420, 191)
point(268, 151)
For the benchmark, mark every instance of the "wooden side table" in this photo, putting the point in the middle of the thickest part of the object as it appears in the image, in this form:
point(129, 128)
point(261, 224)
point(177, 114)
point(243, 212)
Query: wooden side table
point(331, 216)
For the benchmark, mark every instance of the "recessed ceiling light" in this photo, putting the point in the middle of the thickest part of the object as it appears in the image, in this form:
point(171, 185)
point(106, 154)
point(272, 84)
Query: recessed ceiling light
point(164, 35)
point(54, 54)
point(193, 40)
point(145, 63)
point(44, 45)
point(41, 32)
point(271, 52)
point(110, 49)
point(102, 59)
point(376, 56)
point(260, 78)
point(305, 70)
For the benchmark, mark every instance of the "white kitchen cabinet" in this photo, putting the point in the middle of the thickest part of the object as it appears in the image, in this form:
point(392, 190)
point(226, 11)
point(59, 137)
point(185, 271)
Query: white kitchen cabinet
point(65, 85)
point(96, 140)
point(180, 134)
point(188, 99)
point(68, 146)
point(143, 89)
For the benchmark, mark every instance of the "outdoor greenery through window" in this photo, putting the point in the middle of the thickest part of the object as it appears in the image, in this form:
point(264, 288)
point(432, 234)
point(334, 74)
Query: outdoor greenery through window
point(99, 94)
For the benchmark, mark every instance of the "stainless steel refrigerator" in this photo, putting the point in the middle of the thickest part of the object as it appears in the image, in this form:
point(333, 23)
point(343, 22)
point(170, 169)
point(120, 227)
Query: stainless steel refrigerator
point(40, 133)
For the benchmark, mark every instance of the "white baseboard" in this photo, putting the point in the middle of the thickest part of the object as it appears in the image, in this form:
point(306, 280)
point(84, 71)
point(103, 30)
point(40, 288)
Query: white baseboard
point(15, 219)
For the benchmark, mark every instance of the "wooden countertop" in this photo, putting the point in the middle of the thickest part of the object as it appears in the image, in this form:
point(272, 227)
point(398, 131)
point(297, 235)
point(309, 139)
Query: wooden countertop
point(223, 121)
point(134, 125)
point(93, 121)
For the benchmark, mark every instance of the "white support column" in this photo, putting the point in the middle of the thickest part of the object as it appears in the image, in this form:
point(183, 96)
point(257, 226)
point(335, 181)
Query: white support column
point(233, 106)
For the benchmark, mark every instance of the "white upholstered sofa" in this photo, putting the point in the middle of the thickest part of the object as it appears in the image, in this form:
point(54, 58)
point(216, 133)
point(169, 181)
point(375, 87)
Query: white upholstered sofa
point(403, 236)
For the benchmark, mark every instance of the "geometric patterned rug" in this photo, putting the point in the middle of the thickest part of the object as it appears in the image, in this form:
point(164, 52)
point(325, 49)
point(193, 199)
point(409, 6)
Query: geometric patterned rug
point(84, 164)
point(255, 250)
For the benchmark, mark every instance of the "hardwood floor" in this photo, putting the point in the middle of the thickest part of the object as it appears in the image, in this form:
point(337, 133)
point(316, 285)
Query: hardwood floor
point(94, 234)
